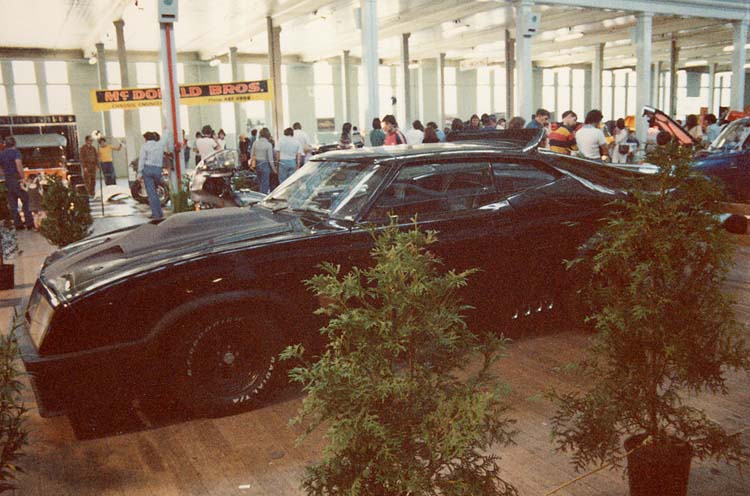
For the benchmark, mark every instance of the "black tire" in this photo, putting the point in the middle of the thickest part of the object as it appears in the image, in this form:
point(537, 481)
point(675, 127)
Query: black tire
point(228, 362)
point(138, 192)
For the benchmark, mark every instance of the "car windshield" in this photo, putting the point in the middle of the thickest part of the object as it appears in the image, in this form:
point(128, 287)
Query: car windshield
point(733, 137)
point(337, 189)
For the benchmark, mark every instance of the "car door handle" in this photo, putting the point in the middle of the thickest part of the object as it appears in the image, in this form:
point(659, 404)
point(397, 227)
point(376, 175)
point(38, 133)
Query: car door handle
point(496, 206)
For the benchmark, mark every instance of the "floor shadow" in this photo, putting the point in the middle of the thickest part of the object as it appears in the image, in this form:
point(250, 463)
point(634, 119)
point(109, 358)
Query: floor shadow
point(141, 412)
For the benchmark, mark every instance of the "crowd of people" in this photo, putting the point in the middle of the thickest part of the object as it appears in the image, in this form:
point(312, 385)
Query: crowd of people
point(593, 138)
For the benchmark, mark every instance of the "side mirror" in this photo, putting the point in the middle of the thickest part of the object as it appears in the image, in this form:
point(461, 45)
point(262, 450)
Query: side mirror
point(734, 223)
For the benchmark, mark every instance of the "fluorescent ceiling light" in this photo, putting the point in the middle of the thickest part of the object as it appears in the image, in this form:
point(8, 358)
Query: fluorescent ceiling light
point(92, 60)
point(569, 37)
point(730, 48)
point(695, 63)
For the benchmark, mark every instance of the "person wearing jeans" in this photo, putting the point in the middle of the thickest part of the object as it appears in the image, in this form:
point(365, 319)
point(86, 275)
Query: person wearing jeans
point(10, 160)
point(150, 164)
point(289, 154)
point(262, 153)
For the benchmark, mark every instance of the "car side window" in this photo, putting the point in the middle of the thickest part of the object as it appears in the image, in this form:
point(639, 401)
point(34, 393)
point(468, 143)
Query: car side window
point(431, 190)
point(512, 177)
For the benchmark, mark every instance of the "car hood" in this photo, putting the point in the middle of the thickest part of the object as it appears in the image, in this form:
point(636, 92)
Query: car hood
point(102, 260)
point(666, 123)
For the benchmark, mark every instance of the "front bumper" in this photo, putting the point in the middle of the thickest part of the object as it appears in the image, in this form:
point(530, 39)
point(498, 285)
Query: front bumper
point(64, 382)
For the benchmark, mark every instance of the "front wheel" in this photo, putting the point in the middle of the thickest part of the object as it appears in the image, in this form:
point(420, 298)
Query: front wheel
point(227, 364)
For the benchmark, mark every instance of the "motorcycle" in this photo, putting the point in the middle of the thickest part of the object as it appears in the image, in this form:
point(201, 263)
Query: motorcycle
point(219, 180)
point(138, 188)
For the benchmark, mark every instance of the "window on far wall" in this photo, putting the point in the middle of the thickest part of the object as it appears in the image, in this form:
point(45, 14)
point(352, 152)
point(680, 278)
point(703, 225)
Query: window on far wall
point(324, 96)
point(59, 100)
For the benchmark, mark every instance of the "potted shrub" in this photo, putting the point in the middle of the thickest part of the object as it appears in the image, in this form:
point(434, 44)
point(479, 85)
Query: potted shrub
point(68, 213)
point(8, 244)
point(664, 330)
point(399, 417)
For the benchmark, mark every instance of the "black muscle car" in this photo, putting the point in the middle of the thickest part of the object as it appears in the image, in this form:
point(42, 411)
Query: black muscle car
point(203, 302)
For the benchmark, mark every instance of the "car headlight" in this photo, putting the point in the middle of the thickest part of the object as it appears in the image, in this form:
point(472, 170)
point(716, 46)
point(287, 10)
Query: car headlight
point(39, 314)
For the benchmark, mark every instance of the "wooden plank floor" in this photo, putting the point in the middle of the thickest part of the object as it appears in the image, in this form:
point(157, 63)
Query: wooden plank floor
point(149, 447)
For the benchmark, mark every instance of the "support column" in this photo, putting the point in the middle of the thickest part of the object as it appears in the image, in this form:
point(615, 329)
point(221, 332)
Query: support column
point(523, 60)
point(170, 91)
point(41, 86)
point(234, 66)
point(274, 62)
point(131, 135)
point(370, 61)
point(510, 66)
point(675, 54)
point(406, 76)
point(711, 85)
point(655, 85)
point(101, 62)
point(739, 58)
point(346, 86)
point(7, 73)
point(441, 90)
point(643, 28)
point(596, 76)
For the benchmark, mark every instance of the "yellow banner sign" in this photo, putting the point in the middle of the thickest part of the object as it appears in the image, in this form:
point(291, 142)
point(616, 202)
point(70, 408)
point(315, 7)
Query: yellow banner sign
point(190, 94)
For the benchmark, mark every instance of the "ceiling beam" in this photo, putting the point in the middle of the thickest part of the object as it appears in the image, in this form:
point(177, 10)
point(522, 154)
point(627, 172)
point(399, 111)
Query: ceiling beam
point(254, 23)
point(714, 9)
point(112, 12)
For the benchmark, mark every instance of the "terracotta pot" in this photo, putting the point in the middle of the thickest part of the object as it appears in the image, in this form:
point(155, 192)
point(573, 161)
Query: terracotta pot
point(661, 468)
point(6, 276)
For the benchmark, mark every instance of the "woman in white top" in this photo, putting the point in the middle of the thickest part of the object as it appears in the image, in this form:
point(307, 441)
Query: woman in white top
point(694, 128)
point(622, 133)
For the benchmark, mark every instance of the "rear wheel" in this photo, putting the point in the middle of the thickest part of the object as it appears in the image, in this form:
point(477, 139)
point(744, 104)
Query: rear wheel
point(227, 363)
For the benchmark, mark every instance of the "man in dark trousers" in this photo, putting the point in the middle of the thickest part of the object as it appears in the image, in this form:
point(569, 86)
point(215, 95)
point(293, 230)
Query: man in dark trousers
point(89, 162)
point(10, 160)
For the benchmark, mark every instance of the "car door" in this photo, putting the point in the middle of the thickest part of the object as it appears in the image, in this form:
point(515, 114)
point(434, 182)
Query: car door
point(548, 217)
point(458, 199)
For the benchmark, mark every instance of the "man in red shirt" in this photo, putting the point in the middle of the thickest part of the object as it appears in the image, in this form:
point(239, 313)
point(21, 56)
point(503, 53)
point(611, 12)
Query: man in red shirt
point(392, 135)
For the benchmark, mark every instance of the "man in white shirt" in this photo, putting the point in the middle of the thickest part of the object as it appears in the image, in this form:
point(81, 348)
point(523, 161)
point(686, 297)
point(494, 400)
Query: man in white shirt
point(590, 139)
point(288, 154)
point(303, 140)
point(415, 135)
point(206, 145)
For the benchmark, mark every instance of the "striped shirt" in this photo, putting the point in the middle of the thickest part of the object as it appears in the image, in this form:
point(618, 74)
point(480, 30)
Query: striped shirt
point(562, 139)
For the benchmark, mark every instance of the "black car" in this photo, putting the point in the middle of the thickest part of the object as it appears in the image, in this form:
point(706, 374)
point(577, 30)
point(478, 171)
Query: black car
point(203, 302)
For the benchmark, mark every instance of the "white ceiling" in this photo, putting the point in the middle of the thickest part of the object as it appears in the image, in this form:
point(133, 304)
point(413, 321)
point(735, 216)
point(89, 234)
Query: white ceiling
point(318, 29)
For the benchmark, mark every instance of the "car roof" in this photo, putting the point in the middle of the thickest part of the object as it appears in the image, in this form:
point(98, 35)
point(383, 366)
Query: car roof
point(40, 140)
point(434, 150)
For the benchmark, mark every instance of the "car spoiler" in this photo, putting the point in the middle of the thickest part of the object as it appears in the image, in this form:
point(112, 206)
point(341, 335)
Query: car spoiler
point(516, 139)
point(665, 123)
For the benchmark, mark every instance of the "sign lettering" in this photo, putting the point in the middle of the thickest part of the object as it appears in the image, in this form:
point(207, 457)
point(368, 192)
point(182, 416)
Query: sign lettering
point(190, 94)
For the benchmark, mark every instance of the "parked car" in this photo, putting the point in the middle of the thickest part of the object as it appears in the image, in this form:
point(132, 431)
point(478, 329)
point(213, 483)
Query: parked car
point(203, 302)
point(727, 159)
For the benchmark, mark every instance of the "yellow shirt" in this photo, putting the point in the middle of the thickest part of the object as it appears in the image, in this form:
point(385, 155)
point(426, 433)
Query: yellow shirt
point(105, 153)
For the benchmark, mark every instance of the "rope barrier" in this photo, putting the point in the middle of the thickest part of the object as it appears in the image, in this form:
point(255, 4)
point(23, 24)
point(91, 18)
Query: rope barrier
point(599, 469)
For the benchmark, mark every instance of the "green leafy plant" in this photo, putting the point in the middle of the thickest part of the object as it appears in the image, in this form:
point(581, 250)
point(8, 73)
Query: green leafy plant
point(8, 240)
point(401, 415)
point(13, 433)
point(665, 329)
point(68, 213)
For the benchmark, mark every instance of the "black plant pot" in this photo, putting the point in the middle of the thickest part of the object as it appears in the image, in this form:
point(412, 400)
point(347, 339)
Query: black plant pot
point(6, 276)
point(661, 468)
